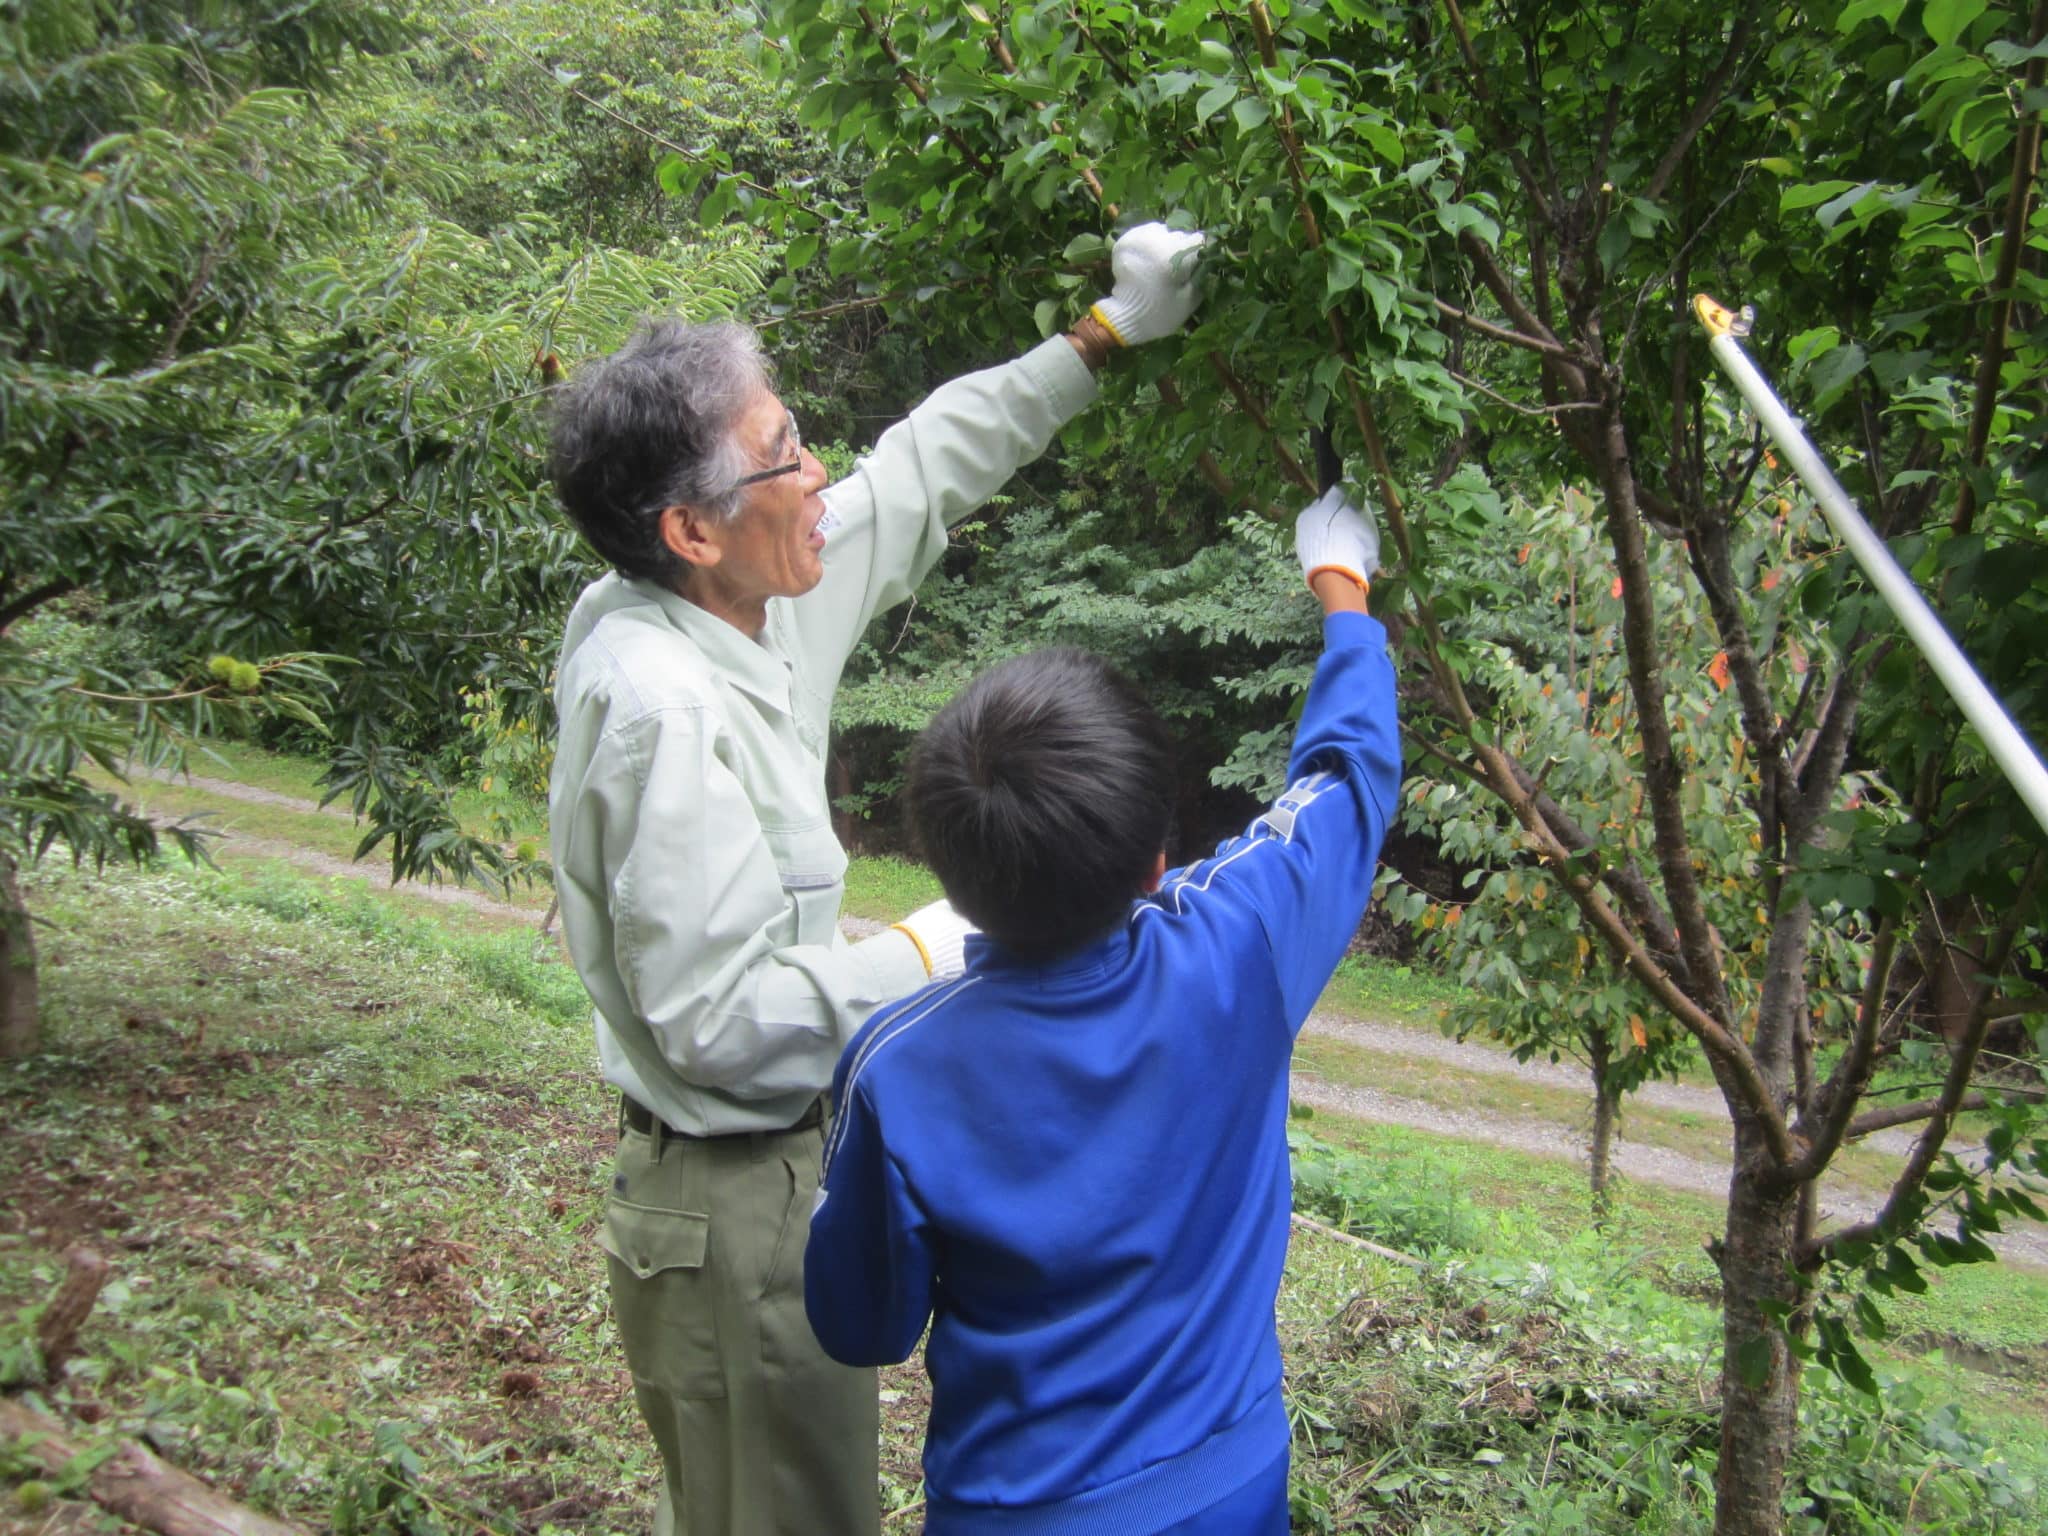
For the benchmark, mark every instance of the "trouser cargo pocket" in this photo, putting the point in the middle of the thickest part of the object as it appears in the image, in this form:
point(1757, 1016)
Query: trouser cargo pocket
point(662, 1293)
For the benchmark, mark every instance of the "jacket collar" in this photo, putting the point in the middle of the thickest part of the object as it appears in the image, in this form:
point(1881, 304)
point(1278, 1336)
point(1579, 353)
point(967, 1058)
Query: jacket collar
point(753, 664)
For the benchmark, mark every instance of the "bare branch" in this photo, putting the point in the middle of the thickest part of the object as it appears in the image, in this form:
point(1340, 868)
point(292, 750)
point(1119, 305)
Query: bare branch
point(1925, 1109)
point(1501, 333)
point(1546, 412)
point(1839, 1096)
point(32, 599)
point(1712, 93)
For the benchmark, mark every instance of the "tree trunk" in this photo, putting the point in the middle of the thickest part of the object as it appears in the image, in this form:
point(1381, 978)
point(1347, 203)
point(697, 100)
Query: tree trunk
point(20, 1023)
point(1758, 1422)
point(1606, 1112)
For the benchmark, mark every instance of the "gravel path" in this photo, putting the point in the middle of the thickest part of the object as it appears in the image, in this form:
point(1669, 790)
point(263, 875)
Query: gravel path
point(1637, 1161)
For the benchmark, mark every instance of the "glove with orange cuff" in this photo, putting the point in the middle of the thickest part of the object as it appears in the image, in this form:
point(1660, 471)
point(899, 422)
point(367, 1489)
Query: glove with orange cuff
point(940, 935)
point(1154, 292)
point(1333, 535)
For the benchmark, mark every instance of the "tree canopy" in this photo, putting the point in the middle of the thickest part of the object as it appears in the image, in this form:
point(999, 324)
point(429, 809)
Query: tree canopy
point(1704, 788)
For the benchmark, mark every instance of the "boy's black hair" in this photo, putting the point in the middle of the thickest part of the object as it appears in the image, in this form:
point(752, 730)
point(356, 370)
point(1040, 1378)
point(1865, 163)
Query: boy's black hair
point(1041, 796)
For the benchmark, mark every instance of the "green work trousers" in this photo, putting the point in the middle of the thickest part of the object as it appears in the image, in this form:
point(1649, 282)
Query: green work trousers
point(760, 1434)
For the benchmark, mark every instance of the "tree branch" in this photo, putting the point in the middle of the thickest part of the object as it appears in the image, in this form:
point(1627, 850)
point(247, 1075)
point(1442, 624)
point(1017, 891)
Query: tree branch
point(1206, 461)
point(1836, 1103)
point(1500, 333)
point(1289, 464)
point(1662, 777)
point(1948, 1104)
point(1873, 1120)
point(2026, 167)
point(32, 599)
point(1743, 1085)
point(1482, 88)
point(917, 89)
point(1712, 91)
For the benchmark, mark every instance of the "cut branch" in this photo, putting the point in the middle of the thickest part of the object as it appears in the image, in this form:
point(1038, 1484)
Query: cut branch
point(134, 1484)
point(85, 1273)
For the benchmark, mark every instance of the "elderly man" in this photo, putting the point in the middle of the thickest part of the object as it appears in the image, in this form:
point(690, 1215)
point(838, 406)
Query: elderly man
point(699, 876)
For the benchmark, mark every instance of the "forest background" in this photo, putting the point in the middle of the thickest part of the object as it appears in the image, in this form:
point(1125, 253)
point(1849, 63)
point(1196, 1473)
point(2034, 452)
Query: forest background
point(284, 287)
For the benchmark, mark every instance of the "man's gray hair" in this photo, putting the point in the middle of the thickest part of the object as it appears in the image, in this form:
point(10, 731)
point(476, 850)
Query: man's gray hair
point(650, 426)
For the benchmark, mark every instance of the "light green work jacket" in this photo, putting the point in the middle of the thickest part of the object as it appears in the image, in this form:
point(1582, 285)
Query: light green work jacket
point(699, 876)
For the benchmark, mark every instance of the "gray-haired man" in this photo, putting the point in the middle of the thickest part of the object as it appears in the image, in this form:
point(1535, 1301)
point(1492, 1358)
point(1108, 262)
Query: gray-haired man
point(699, 876)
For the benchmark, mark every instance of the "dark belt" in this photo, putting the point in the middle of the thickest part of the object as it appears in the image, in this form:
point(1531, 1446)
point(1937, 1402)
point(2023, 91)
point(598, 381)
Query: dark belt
point(640, 1118)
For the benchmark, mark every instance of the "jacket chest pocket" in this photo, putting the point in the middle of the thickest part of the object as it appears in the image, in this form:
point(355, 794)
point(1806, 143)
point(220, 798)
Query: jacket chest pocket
point(812, 867)
point(808, 858)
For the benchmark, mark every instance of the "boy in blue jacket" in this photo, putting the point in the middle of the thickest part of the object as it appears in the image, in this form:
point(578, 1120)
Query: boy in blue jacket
point(1072, 1159)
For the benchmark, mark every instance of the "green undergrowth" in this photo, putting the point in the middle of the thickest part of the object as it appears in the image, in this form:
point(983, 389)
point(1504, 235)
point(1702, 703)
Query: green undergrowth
point(882, 888)
point(346, 1161)
point(1391, 992)
point(345, 1169)
point(1440, 1197)
point(1570, 1394)
point(1626, 1436)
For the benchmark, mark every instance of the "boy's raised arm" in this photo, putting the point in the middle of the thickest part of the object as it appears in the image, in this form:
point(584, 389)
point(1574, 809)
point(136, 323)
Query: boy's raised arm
point(1305, 867)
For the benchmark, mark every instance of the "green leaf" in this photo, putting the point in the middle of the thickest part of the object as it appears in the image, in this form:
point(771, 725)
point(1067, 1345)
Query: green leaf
point(1250, 112)
point(800, 252)
point(1833, 373)
point(1612, 246)
point(1946, 20)
point(1810, 345)
point(1857, 12)
point(1831, 212)
point(1753, 1360)
point(1806, 194)
point(1214, 100)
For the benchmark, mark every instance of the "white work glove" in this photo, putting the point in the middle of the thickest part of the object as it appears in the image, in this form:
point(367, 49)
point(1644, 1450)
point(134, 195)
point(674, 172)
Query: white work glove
point(940, 935)
point(1154, 292)
point(1333, 535)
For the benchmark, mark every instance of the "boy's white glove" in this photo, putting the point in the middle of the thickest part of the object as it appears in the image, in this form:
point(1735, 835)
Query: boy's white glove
point(940, 935)
point(1333, 535)
point(1154, 292)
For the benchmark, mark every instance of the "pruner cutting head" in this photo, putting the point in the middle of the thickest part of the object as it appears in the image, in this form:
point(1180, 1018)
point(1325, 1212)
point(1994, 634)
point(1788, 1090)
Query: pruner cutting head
point(1329, 467)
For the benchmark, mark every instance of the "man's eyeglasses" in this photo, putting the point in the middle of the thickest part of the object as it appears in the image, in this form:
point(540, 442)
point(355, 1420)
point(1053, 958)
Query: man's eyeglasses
point(796, 462)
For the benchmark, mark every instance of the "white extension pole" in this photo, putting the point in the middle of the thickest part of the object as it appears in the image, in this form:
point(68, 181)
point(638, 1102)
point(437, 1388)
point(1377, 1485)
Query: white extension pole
point(2009, 748)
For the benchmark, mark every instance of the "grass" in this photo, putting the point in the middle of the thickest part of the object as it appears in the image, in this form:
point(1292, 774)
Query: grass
point(881, 888)
point(1991, 1318)
point(346, 1174)
point(347, 1161)
point(1390, 992)
point(358, 1146)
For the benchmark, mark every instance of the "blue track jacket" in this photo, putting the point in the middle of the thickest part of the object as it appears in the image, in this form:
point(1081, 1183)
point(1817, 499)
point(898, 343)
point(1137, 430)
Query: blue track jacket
point(1077, 1171)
